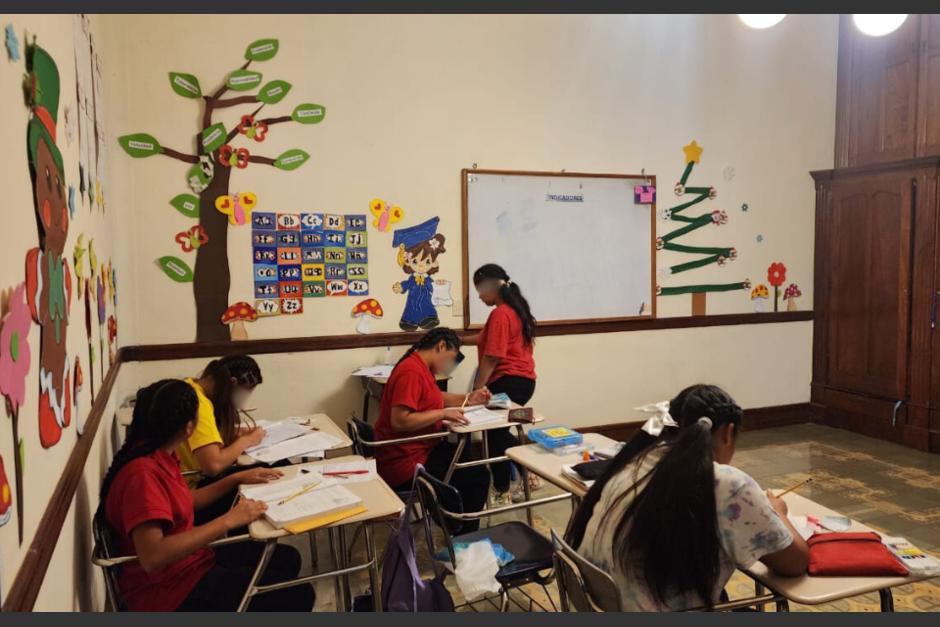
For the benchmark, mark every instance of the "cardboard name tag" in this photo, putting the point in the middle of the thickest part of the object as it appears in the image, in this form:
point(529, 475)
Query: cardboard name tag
point(522, 414)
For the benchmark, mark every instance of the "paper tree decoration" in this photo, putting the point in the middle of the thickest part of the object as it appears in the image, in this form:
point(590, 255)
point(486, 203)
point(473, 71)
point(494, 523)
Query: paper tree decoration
point(710, 254)
point(776, 275)
point(211, 166)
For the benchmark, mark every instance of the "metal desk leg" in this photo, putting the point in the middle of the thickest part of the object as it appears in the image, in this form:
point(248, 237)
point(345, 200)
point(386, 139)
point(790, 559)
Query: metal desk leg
point(259, 570)
point(337, 584)
point(783, 605)
point(462, 442)
point(347, 595)
point(374, 567)
point(758, 591)
point(524, 477)
point(887, 600)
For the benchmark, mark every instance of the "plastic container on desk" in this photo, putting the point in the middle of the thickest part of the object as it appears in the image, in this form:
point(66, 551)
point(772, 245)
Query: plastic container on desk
point(557, 439)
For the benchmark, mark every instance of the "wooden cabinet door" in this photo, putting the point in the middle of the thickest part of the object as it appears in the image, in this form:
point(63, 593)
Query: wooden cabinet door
point(877, 94)
point(928, 96)
point(868, 296)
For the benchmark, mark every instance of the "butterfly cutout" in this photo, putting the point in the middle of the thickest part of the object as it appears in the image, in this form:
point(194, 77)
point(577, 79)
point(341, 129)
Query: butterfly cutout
point(229, 157)
point(251, 129)
point(385, 216)
point(192, 239)
point(237, 207)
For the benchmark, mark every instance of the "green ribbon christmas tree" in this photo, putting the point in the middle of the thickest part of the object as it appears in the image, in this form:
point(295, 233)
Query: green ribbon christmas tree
point(712, 254)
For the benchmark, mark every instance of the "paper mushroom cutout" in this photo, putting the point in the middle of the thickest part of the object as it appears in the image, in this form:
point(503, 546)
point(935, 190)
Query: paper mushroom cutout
point(236, 316)
point(364, 312)
point(759, 295)
point(790, 295)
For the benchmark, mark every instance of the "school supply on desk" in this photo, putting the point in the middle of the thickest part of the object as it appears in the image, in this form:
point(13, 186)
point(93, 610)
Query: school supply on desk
point(609, 452)
point(568, 470)
point(313, 504)
point(591, 470)
point(499, 401)
point(521, 414)
point(379, 371)
point(916, 561)
point(305, 445)
point(478, 415)
point(283, 488)
point(794, 487)
point(557, 439)
point(349, 472)
point(465, 399)
point(277, 432)
point(859, 554)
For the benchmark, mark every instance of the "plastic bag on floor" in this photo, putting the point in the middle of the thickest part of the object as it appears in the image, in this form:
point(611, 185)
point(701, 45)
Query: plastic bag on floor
point(477, 566)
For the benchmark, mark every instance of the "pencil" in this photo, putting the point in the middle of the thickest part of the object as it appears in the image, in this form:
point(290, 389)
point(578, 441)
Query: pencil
point(792, 488)
point(298, 493)
point(465, 399)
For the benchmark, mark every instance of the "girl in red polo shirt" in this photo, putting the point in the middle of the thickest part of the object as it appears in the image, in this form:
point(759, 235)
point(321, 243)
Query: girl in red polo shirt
point(411, 405)
point(149, 509)
point(506, 365)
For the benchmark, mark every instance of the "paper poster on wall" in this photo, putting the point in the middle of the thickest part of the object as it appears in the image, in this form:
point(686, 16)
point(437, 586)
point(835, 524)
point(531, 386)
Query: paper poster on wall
point(418, 247)
point(237, 207)
point(441, 294)
point(384, 215)
point(296, 256)
point(15, 361)
point(366, 311)
point(90, 114)
point(48, 280)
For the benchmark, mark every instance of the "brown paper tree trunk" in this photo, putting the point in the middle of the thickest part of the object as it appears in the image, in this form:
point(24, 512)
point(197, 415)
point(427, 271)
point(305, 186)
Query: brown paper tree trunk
point(211, 276)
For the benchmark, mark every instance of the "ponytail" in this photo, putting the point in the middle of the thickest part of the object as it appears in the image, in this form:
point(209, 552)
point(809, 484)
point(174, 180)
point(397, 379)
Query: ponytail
point(511, 295)
point(432, 338)
point(669, 532)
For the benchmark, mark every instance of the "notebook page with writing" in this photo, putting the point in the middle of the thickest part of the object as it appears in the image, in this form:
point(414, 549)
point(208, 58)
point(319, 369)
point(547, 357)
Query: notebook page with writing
point(478, 414)
point(277, 432)
point(319, 502)
point(296, 447)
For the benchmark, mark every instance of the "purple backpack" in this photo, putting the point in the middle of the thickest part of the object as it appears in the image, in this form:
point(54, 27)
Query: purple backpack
point(403, 589)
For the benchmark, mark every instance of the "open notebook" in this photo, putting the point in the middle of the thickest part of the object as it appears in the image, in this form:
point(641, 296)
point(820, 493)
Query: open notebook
point(296, 447)
point(277, 432)
point(478, 414)
point(309, 497)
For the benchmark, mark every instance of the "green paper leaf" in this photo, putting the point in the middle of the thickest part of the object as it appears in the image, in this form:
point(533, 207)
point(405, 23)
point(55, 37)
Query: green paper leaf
point(273, 92)
point(140, 145)
point(261, 50)
point(243, 80)
point(308, 113)
point(186, 85)
point(176, 269)
point(291, 159)
point(213, 137)
point(187, 204)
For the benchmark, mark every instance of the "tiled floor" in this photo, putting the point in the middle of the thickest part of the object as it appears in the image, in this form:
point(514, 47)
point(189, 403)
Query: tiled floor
point(888, 487)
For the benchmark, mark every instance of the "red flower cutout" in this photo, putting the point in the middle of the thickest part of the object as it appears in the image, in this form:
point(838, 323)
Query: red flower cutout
point(241, 158)
point(225, 155)
point(192, 239)
point(776, 274)
point(261, 130)
point(246, 123)
point(112, 329)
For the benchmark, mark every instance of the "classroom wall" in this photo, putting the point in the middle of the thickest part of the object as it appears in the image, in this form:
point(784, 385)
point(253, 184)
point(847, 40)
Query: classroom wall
point(71, 583)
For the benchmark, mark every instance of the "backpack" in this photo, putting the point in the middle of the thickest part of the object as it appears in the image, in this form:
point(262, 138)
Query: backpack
point(403, 589)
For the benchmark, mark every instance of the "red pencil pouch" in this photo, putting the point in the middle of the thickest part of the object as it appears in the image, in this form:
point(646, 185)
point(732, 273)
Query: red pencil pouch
point(859, 554)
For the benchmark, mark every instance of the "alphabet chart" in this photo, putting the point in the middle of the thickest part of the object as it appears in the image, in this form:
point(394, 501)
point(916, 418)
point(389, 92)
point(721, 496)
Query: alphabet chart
point(307, 255)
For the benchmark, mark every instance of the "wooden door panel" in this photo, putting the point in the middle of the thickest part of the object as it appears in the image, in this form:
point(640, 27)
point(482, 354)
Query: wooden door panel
point(928, 92)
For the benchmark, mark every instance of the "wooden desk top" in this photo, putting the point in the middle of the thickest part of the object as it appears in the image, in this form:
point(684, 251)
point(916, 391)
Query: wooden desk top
point(808, 590)
point(377, 497)
point(548, 465)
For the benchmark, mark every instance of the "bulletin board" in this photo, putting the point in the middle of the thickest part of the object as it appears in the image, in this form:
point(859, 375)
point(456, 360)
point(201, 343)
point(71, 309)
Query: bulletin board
point(580, 246)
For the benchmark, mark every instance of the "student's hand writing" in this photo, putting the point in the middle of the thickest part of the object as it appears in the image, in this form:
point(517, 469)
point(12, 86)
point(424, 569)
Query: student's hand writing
point(245, 511)
point(454, 415)
point(396, 287)
point(258, 475)
point(779, 505)
point(480, 397)
point(253, 437)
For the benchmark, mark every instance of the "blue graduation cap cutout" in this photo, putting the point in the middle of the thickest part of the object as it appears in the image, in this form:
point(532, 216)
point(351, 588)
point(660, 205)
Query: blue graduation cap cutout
point(414, 235)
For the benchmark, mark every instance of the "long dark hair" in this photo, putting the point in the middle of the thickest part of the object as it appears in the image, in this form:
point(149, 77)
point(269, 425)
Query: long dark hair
point(670, 530)
point(246, 373)
point(162, 409)
point(431, 339)
point(511, 295)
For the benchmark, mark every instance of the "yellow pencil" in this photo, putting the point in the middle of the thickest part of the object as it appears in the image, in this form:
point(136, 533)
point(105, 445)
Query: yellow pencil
point(791, 489)
point(465, 399)
point(298, 493)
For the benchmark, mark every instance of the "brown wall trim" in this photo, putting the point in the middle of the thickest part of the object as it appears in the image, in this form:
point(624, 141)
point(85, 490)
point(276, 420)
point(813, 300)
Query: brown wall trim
point(32, 571)
point(754, 419)
point(158, 352)
point(874, 168)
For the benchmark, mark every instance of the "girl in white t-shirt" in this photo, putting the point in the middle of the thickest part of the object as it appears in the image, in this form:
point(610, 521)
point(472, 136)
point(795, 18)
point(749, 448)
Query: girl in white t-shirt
point(670, 520)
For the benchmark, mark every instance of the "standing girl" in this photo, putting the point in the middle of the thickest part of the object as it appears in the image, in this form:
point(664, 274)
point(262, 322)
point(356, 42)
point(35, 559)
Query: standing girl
point(506, 363)
point(412, 405)
point(149, 508)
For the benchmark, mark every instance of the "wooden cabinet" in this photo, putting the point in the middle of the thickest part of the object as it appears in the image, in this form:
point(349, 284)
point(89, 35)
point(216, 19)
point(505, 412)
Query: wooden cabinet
point(928, 98)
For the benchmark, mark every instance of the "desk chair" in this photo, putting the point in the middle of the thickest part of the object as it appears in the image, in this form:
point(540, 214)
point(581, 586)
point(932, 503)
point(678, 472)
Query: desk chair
point(584, 585)
point(532, 551)
point(103, 556)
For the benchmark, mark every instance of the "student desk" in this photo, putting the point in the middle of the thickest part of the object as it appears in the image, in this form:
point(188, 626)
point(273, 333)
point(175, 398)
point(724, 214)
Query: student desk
point(808, 590)
point(547, 465)
point(374, 386)
point(381, 503)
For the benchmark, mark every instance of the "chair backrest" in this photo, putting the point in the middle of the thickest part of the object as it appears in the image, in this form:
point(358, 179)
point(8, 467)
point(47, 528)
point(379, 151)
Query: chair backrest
point(360, 432)
point(435, 497)
point(102, 552)
point(587, 587)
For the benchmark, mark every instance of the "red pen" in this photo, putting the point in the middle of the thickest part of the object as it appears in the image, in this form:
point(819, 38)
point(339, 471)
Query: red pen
point(340, 473)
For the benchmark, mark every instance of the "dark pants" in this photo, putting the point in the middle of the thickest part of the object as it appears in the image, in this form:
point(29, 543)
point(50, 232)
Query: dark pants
point(520, 391)
point(473, 483)
point(221, 589)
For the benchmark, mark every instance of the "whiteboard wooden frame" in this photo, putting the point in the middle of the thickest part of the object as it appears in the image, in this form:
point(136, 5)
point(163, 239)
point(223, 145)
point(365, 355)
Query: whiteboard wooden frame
point(465, 237)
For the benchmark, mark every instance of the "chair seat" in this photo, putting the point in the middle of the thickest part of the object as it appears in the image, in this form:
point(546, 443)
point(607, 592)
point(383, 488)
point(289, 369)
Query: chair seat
point(533, 551)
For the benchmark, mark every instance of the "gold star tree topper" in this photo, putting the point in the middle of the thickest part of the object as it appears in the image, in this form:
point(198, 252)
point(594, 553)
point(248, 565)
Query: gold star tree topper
point(693, 152)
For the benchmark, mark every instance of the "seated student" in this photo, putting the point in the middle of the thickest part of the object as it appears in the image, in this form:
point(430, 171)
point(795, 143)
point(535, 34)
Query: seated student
point(670, 520)
point(411, 405)
point(149, 508)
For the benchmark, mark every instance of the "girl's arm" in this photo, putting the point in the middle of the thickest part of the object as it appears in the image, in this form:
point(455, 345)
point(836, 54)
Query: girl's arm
point(214, 491)
point(478, 396)
point(485, 370)
point(405, 420)
point(155, 550)
point(793, 560)
point(214, 458)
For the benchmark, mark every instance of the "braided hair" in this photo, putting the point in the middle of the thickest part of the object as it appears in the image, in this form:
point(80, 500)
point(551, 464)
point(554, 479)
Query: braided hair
point(246, 373)
point(511, 294)
point(432, 338)
point(669, 532)
point(161, 411)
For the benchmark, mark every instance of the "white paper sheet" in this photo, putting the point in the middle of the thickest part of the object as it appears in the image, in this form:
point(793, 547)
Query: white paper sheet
point(478, 414)
point(296, 447)
point(312, 504)
point(380, 370)
point(277, 432)
point(283, 488)
point(366, 464)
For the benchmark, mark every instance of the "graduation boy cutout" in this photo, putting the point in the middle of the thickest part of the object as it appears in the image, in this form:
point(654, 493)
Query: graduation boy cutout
point(48, 280)
point(419, 247)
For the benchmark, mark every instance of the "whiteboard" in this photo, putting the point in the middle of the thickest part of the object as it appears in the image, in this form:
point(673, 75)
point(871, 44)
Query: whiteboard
point(577, 245)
